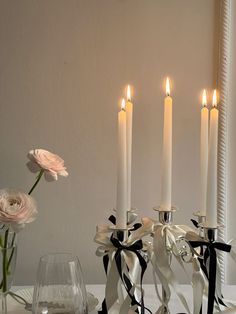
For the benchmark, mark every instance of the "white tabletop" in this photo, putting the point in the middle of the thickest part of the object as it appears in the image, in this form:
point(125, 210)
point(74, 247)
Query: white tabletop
point(175, 306)
point(151, 300)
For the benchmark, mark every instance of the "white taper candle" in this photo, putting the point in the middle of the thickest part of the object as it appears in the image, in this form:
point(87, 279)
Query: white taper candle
point(129, 123)
point(167, 152)
point(204, 152)
point(211, 209)
point(121, 205)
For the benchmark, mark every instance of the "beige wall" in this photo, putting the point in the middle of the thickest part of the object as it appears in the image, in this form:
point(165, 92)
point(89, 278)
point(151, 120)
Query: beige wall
point(63, 68)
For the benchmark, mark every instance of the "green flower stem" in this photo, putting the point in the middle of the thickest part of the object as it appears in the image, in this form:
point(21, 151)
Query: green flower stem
point(4, 263)
point(37, 181)
point(12, 252)
point(10, 258)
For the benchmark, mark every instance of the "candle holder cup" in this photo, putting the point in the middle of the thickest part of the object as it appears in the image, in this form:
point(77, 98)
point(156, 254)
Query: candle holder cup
point(120, 234)
point(201, 219)
point(165, 216)
point(210, 233)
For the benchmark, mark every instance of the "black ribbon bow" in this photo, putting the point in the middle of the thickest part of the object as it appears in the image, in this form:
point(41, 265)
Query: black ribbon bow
point(210, 253)
point(135, 247)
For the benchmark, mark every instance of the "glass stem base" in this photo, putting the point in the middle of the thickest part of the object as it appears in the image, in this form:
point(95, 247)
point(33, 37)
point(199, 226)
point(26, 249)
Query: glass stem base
point(3, 307)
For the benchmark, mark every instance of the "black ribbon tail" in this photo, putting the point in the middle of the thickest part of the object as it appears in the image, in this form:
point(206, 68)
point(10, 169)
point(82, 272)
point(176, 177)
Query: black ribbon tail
point(104, 308)
point(105, 265)
point(210, 254)
point(105, 262)
point(220, 300)
point(212, 280)
point(135, 247)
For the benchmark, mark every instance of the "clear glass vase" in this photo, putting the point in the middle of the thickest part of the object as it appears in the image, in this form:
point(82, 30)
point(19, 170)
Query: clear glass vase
point(59, 287)
point(8, 253)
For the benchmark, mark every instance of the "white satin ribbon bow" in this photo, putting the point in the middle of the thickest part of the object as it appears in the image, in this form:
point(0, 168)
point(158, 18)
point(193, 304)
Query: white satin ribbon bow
point(115, 301)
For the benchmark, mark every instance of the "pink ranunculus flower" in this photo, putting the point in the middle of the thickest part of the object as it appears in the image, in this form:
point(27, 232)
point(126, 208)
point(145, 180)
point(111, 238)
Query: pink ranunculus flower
point(16, 208)
point(51, 164)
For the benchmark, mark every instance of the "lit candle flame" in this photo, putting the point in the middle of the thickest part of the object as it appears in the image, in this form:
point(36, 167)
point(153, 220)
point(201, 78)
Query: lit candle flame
point(214, 99)
point(204, 98)
point(167, 86)
point(123, 104)
point(128, 93)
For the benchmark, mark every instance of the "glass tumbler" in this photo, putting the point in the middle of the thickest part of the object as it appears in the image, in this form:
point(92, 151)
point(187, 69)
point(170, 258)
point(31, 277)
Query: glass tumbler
point(59, 286)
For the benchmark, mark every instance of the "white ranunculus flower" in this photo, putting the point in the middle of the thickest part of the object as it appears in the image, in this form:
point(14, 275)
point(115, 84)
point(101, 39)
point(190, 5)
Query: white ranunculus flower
point(16, 208)
point(51, 164)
